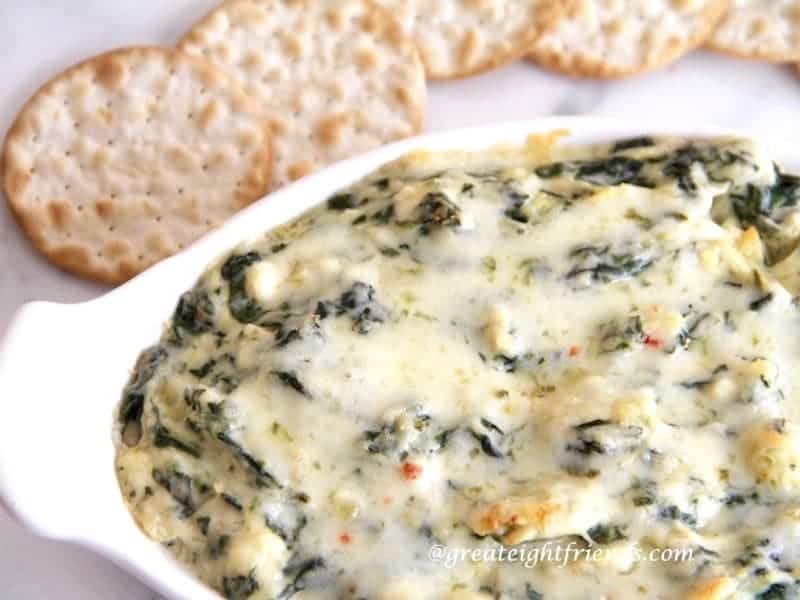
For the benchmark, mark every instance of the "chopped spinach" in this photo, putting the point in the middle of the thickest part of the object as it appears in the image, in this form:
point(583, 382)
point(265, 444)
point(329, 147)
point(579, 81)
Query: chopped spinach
point(493, 440)
point(604, 437)
point(514, 211)
point(550, 171)
point(203, 523)
point(218, 546)
point(644, 500)
point(673, 513)
point(602, 265)
point(616, 336)
point(761, 302)
point(694, 331)
point(289, 531)
point(605, 534)
point(610, 171)
point(243, 308)
point(345, 201)
point(235, 266)
point(437, 210)
point(240, 587)
point(300, 572)
point(294, 328)
point(234, 503)
point(383, 216)
point(411, 432)
point(133, 397)
point(263, 476)
point(360, 304)
point(204, 369)
point(290, 380)
point(531, 593)
point(219, 372)
point(501, 362)
point(187, 492)
point(751, 203)
point(194, 314)
point(632, 143)
point(163, 438)
point(777, 591)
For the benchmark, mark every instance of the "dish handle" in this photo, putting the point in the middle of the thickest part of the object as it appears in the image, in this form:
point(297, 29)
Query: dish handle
point(47, 444)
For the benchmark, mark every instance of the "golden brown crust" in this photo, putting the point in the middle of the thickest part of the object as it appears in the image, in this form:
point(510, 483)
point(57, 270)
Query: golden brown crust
point(717, 588)
point(82, 229)
point(584, 65)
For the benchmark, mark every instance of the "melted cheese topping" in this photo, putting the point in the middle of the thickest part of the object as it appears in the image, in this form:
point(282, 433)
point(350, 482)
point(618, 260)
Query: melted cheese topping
point(499, 351)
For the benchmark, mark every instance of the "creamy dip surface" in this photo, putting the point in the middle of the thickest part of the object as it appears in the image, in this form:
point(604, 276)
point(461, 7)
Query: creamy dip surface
point(575, 346)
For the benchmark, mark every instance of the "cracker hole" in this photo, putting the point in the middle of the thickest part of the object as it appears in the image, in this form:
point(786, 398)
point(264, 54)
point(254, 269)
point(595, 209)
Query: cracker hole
point(208, 222)
point(113, 196)
point(148, 193)
point(108, 103)
point(140, 257)
point(205, 167)
point(158, 219)
point(68, 153)
point(35, 139)
point(180, 246)
point(76, 125)
point(80, 207)
point(68, 187)
point(110, 142)
point(99, 254)
point(111, 228)
point(180, 191)
point(190, 116)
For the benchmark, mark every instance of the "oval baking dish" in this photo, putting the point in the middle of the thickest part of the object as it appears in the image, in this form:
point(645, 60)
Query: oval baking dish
point(63, 367)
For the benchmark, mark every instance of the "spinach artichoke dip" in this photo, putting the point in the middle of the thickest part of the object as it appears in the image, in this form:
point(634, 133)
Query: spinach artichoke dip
point(587, 345)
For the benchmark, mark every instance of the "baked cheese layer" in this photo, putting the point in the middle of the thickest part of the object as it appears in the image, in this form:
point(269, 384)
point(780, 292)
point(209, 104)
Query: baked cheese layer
point(474, 351)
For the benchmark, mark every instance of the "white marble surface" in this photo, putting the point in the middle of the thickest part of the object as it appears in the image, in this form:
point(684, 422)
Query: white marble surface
point(40, 37)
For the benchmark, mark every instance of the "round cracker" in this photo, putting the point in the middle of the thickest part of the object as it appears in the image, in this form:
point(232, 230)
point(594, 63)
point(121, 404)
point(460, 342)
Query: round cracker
point(337, 77)
point(126, 158)
point(760, 29)
point(617, 38)
point(461, 38)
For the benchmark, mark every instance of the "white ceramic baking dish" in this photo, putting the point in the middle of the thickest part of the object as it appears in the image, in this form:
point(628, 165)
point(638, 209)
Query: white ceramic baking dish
point(62, 367)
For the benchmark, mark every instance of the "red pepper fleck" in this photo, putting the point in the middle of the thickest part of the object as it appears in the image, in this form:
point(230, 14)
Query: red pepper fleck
point(388, 500)
point(345, 538)
point(652, 342)
point(411, 470)
point(574, 351)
